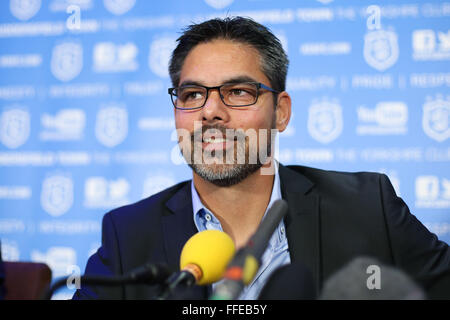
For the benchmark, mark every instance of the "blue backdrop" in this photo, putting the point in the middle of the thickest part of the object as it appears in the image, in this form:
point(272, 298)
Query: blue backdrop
point(86, 122)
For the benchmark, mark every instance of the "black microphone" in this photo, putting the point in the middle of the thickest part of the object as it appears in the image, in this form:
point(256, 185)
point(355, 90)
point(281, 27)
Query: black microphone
point(289, 282)
point(149, 273)
point(245, 264)
point(365, 278)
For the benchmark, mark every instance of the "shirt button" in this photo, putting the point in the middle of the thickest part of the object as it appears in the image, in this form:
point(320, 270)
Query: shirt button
point(282, 230)
point(208, 217)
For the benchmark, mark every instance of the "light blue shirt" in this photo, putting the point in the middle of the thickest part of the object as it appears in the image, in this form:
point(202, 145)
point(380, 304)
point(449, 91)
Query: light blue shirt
point(276, 254)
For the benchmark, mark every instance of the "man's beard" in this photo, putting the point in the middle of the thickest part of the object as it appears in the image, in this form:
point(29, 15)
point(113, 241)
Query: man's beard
point(224, 169)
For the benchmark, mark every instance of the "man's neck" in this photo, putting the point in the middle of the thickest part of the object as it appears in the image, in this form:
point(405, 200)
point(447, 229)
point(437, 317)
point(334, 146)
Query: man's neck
point(239, 207)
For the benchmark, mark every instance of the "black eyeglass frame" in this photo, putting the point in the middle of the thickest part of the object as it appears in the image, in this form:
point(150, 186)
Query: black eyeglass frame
point(259, 86)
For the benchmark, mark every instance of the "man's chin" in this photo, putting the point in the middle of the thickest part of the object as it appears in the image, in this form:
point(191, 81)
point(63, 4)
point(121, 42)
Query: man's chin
point(225, 175)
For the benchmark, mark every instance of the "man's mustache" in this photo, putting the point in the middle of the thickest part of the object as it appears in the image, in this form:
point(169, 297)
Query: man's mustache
point(217, 131)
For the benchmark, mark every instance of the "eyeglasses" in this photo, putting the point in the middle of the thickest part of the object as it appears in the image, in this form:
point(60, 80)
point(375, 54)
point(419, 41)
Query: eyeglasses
point(241, 94)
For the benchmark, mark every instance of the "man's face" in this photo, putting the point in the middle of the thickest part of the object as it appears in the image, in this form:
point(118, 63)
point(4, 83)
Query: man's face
point(218, 160)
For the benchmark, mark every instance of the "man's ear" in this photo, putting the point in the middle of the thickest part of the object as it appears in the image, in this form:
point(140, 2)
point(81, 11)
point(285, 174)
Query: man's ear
point(283, 111)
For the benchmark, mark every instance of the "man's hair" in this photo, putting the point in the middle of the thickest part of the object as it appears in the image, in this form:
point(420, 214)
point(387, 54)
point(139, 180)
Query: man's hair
point(274, 61)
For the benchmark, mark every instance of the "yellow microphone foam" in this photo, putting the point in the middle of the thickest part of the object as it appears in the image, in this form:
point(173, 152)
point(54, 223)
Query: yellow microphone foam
point(210, 251)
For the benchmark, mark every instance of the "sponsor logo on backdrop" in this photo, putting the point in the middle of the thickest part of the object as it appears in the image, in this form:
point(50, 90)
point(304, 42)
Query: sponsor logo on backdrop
point(430, 45)
point(311, 83)
point(156, 183)
point(429, 80)
point(111, 126)
point(66, 124)
point(156, 123)
point(143, 88)
point(57, 258)
point(68, 227)
point(15, 192)
point(111, 57)
point(219, 4)
point(436, 119)
point(381, 49)
point(67, 60)
point(14, 127)
point(432, 192)
point(325, 48)
point(102, 193)
point(13, 226)
point(159, 55)
point(315, 14)
point(119, 7)
point(20, 60)
point(325, 121)
point(388, 117)
point(57, 194)
point(24, 9)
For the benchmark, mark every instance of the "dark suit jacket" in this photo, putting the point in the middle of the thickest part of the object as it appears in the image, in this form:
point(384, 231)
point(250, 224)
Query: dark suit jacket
point(333, 217)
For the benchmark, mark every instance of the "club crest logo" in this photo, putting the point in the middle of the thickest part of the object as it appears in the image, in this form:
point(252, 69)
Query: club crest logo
point(111, 126)
point(159, 56)
point(24, 9)
point(119, 7)
point(325, 121)
point(14, 127)
point(57, 195)
point(381, 49)
point(435, 121)
point(67, 60)
point(112, 57)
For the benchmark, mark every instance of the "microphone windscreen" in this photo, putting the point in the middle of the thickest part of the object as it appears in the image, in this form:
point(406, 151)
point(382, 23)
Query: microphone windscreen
point(290, 282)
point(365, 278)
point(211, 251)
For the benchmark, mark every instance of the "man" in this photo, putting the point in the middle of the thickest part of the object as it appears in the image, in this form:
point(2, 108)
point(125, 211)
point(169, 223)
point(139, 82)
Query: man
point(229, 96)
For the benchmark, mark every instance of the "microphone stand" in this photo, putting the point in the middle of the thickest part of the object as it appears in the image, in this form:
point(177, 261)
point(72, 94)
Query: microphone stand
point(149, 274)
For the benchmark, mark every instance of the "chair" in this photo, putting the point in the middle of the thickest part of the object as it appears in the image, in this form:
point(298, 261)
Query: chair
point(26, 280)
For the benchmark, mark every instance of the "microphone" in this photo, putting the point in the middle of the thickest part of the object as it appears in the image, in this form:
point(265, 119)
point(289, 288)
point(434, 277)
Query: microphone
point(365, 278)
point(203, 261)
point(289, 282)
point(148, 274)
point(242, 269)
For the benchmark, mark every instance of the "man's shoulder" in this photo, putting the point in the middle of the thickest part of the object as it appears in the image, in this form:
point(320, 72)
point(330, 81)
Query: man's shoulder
point(150, 207)
point(339, 180)
point(330, 174)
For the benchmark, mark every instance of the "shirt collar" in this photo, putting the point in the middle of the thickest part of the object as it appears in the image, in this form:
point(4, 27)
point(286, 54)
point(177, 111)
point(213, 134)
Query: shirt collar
point(199, 209)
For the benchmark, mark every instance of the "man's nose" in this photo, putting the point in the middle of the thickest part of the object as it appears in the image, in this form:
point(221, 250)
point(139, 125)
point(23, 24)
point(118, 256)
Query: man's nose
point(214, 108)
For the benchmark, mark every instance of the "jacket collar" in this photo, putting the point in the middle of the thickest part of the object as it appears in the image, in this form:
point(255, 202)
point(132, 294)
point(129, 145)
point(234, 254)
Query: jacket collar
point(302, 221)
point(178, 226)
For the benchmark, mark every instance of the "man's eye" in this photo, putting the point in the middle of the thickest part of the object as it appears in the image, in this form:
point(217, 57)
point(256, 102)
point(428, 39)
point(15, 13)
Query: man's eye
point(191, 95)
point(238, 92)
point(241, 92)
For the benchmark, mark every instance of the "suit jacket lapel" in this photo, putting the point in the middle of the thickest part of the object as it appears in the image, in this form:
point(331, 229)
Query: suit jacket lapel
point(302, 221)
point(178, 226)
